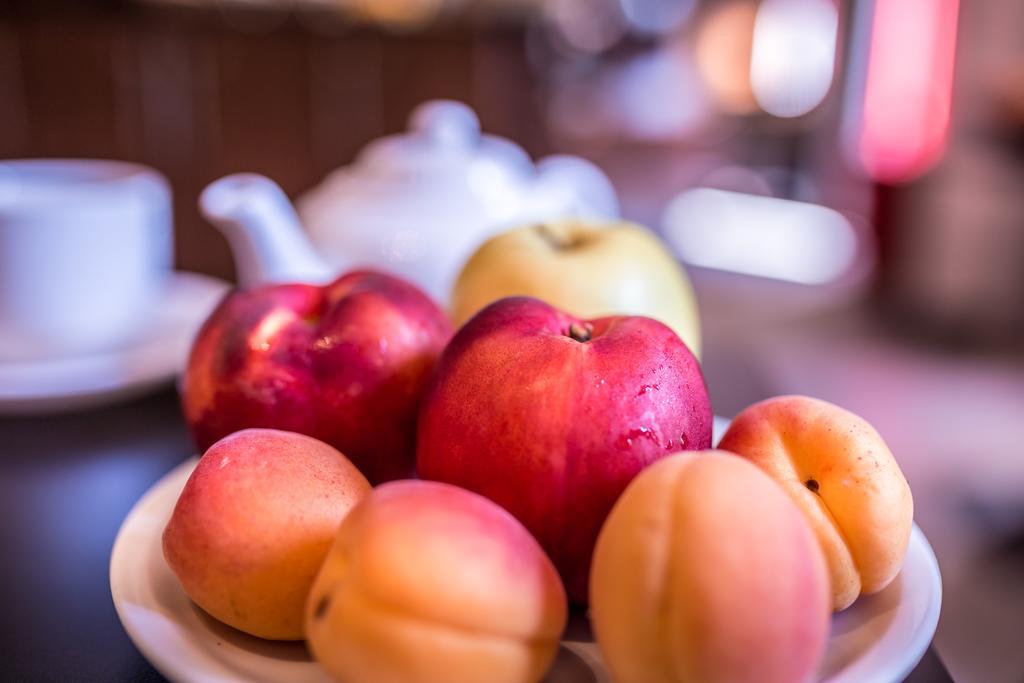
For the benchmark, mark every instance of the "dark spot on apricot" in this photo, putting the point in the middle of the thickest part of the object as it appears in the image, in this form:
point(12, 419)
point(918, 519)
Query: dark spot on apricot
point(812, 485)
point(321, 607)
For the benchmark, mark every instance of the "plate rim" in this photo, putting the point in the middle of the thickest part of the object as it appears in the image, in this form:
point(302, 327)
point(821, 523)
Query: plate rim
point(923, 638)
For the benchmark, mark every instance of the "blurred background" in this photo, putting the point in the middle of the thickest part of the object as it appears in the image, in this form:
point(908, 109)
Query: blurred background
point(842, 178)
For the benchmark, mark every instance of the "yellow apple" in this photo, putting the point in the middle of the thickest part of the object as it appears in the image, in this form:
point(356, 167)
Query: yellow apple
point(840, 472)
point(588, 269)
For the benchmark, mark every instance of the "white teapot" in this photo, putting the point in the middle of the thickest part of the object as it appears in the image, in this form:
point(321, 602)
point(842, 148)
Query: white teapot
point(416, 204)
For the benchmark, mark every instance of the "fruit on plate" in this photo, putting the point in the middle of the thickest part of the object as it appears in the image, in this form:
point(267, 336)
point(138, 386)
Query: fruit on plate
point(345, 363)
point(707, 571)
point(842, 475)
point(430, 583)
point(254, 523)
point(588, 269)
point(551, 416)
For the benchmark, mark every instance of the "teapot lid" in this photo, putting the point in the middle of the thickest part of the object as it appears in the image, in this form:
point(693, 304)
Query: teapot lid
point(443, 137)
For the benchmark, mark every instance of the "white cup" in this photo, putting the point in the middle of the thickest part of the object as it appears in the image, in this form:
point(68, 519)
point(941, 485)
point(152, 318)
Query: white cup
point(85, 248)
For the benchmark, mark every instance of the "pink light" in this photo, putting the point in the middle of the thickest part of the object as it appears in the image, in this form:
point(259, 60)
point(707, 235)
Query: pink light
point(909, 87)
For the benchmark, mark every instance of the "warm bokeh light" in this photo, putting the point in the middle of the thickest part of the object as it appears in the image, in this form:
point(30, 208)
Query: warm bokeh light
point(793, 55)
point(396, 13)
point(723, 49)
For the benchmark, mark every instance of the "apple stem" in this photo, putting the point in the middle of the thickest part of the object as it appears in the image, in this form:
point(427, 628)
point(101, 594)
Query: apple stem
point(556, 240)
point(581, 332)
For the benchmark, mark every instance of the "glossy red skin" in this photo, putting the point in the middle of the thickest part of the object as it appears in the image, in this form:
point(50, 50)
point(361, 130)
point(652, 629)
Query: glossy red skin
point(553, 429)
point(345, 363)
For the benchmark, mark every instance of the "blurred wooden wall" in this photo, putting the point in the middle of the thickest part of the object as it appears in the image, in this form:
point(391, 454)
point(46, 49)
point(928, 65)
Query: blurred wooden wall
point(199, 94)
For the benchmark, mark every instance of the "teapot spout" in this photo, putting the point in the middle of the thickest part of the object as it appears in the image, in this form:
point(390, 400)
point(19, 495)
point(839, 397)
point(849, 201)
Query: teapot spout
point(266, 237)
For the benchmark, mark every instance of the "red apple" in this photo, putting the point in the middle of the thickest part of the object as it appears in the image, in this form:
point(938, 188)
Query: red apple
point(551, 416)
point(345, 363)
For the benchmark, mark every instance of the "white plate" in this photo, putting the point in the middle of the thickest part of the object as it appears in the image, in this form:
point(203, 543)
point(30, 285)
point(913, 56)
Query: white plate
point(135, 367)
point(880, 638)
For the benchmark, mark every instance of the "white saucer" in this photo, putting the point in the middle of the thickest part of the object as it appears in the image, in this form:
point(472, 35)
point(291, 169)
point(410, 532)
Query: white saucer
point(135, 367)
point(881, 638)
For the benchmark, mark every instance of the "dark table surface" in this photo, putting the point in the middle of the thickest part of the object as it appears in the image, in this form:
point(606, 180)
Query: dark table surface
point(66, 483)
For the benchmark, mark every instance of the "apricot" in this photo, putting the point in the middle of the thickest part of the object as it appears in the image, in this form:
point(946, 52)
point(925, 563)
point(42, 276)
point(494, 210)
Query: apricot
point(840, 472)
point(427, 582)
point(253, 524)
point(706, 571)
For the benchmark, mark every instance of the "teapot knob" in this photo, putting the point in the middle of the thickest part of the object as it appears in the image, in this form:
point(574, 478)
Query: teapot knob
point(568, 185)
point(446, 122)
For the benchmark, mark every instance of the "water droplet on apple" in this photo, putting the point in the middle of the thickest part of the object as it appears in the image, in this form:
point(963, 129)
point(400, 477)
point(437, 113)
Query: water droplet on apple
point(626, 440)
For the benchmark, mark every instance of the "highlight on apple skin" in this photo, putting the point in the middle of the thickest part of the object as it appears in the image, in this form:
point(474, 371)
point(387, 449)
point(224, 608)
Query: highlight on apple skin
point(841, 473)
point(253, 524)
point(551, 416)
point(345, 363)
point(588, 268)
point(706, 571)
point(430, 583)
